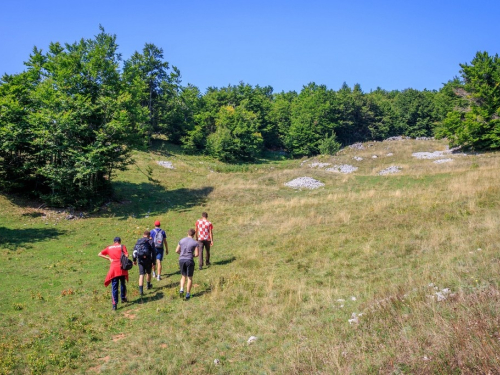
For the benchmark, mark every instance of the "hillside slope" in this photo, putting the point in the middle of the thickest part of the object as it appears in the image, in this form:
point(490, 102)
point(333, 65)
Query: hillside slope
point(369, 273)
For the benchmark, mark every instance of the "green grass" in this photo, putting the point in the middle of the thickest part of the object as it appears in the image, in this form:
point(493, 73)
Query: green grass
point(286, 265)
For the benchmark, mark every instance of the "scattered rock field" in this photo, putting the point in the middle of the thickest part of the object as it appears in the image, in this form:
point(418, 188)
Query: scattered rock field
point(304, 183)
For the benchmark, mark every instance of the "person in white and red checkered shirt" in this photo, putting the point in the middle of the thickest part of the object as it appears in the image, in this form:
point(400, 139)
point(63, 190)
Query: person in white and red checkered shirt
point(205, 237)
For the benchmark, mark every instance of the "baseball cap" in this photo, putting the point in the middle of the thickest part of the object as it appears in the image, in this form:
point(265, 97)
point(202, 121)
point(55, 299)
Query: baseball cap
point(117, 239)
point(157, 223)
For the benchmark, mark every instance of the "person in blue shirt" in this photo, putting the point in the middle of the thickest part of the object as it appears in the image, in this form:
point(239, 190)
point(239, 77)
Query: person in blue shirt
point(159, 238)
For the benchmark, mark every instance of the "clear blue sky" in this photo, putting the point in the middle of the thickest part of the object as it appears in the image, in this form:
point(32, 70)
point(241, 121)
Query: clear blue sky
point(284, 44)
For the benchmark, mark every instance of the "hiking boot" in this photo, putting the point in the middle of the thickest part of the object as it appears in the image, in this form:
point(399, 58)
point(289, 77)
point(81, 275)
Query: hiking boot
point(188, 296)
point(158, 278)
point(114, 307)
point(181, 293)
point(149, 286)
point(124, 300)
point(208, 263)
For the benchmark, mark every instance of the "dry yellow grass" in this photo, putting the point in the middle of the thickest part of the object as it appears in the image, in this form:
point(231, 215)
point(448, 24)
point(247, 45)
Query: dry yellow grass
point(290, 267)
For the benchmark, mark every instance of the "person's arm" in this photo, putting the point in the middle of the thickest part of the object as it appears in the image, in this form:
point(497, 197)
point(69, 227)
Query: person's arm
point(104, 254)
point(134, 255)
point(196, 252)
point(153, 251)
point(166, 245)
point(196, 231)
point(211, 237)
point(178, 249)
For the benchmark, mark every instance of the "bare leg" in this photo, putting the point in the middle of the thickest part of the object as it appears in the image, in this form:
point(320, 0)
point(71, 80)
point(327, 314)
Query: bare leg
point(183, 279)
point(141, 280)
point(189, 283)
point(158, 267)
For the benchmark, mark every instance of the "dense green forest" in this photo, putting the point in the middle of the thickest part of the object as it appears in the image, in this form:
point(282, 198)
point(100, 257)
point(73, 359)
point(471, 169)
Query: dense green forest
point(74, 115)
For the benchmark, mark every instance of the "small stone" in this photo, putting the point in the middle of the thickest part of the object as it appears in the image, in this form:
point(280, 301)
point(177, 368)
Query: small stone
point(429, 155)
point(252, 339)
point(390, 170)
point(354, 319)
point(319, 165)
point(357, 146)
point(343, 168)
point(166, 164)
point(216, 362)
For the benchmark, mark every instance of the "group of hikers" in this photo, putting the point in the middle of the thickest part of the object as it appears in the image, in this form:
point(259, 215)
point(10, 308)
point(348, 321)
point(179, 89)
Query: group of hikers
point(148, 254)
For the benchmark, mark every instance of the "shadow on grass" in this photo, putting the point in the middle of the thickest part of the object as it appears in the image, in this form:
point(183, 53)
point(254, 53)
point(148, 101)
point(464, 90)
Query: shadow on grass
point(15, 238)
point(164, 148)
point(33, 215)
point(148, 199)
point(224, 261)
point(178, 272)
point(147, 298)
point(174, 284)
point(200, 293)
point(170, 285)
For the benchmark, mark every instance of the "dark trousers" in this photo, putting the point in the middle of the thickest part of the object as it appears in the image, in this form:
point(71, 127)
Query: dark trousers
point(114, 289)
point(201, 245)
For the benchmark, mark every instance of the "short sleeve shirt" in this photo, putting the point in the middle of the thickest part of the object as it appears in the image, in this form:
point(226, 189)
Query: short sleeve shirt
point(188, 245)
point(204, 227)
point(153, 234)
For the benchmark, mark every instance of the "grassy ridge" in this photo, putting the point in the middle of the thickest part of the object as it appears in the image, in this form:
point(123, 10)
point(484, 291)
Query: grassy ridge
point(290, 267)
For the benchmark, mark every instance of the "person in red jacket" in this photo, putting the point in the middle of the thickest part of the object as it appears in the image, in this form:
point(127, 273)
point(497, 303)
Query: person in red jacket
point(115, 274)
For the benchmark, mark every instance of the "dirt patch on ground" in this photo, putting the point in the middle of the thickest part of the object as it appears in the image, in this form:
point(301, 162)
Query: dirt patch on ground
point(130, 314)
point(118, 337)
point(97, 368)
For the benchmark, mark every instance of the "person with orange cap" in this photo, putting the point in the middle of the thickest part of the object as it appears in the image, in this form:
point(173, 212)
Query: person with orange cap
point(159, 238)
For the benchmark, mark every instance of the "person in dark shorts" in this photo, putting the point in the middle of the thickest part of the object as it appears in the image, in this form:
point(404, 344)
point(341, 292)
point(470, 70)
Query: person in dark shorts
point(187, 249)
point(159, 238)
point(205, 237)
point(144, 254)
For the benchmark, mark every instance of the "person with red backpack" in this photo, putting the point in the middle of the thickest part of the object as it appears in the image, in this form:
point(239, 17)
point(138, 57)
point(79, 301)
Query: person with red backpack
point(116, 275)
point(159, 238)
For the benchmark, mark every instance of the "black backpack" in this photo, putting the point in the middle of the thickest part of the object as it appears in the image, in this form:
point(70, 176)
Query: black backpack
point(143, 249)
point(126, 264)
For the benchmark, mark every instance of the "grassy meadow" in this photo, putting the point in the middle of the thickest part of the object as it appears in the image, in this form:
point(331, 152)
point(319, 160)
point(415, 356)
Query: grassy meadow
point(414, 255)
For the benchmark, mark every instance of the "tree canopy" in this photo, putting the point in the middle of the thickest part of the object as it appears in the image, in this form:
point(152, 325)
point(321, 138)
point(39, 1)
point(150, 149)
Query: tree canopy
point(73, 116)
point(69, 121)
point(474, 122)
